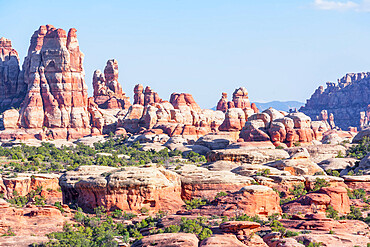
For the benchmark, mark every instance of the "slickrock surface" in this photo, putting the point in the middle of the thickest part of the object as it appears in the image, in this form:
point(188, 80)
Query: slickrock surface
point(128, 188)
point(247, 155)
point(30, 224)
point(168, 239)
point(347, 100)
point(298, 164)
point(197, 182)
point(222, 240)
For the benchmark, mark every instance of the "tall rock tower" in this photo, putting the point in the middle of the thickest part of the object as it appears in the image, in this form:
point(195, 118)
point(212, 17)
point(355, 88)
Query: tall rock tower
point(56, 97)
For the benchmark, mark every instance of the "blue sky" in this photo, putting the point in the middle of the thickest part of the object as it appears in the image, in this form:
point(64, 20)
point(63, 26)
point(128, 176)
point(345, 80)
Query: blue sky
point(278, 50)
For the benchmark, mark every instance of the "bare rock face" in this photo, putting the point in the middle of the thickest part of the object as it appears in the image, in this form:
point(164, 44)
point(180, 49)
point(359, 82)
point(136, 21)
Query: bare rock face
point(56, 97)
point(223, 104)
point(250, 200)
point(249, 155)
point(145, 97)
point(345, 100)
point(240, 98)
point(234, 120)
point(184, 100)
point(25, 183)
point(197, 182)
point(236, 111)
point(129, 188)
point(298, 164)
point(12, 86)
point(319, 201)
point(108, 92)
point(168, 239)
point(222, 240)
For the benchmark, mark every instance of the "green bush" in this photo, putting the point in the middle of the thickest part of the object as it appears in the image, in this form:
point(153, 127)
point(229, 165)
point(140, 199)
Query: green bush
point(196, 226)
point(331, 213)
point(360, 150)
point(334, 173)
point(357, 194)
point(195, 203)
point(320, 183)
point(221, 193)
point(172, 229)
point(195, 157)
point(117, 213)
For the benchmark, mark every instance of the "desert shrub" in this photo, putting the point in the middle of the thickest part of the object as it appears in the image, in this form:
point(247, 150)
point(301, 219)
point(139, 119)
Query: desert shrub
point(357, 194)
point(128, 216)
point(172, 229)
point(334, 173)
point(117, 213)
point(340, 155)
point(221, 193)
point(320, 183)
point(196, 226)
point(195, 157)
point(276, 226)
point(298, 190)
point(360, 150)
point(264, 172)
point(331, 213)
point(59, 206)
point(355, 214)
point(195, 203)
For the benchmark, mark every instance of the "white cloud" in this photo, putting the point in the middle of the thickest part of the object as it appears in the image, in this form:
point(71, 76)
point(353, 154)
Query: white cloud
point(337, 5)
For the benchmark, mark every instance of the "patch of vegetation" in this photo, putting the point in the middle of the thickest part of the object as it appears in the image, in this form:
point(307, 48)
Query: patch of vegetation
point(264, 172)
point(331, 213)
point(9, 232)
point(297, 191)
point(195, 203)
point(276, 226)
point(197, 226)
point(47, 158)
point(320, 183)
point(195, 157)
point(33, 196)
point(340, 155)
point(221, 193)
point(360, 150)
point(334, 173)
point(357, 194)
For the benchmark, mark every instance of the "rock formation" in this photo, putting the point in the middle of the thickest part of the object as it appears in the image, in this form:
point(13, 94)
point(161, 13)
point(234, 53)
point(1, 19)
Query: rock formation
point(181, 116)
point(12, 86)
point(240, 100)
point(128, 188)
point(272, 125)
point(56, 98)
point(108, 92)
point(250, 200)
point(345, 99)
